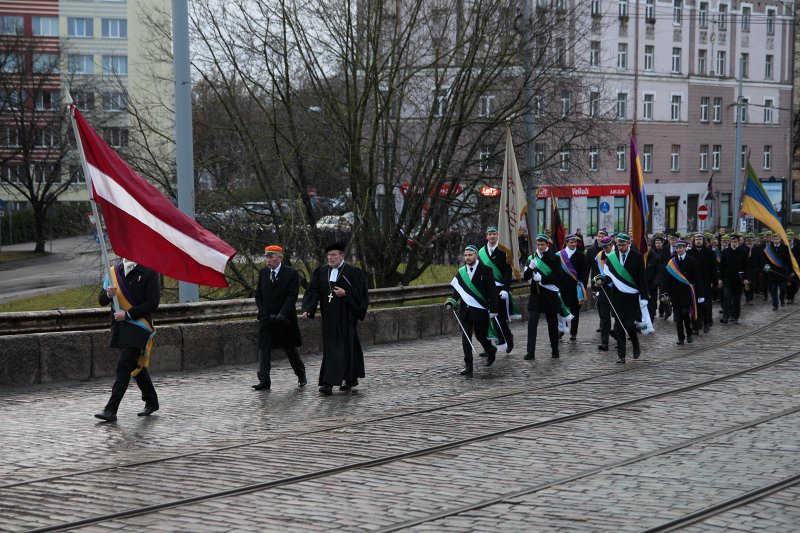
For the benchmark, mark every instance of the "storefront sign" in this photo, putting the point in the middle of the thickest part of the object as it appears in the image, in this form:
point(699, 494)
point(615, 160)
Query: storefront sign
point(573, 191)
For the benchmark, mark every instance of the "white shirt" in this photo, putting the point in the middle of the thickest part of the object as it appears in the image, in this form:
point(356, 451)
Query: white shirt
point(471, 268)
point(128, 266)
point(682, 257)
point(335, 272)
point(570, 252)
point(274, 273)
point(491, 248)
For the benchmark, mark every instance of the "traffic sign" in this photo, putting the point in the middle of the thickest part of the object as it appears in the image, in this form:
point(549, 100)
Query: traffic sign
point(702, 212)
point(605, 207)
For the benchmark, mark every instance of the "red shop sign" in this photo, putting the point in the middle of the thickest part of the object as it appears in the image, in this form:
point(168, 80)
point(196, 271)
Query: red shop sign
point(572, 191)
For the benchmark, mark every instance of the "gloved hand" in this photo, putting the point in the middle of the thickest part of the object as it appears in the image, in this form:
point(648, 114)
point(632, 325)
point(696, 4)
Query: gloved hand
point(642, 301)
point(701, 300)
point(537, 276)
point(532, 264)
point(280, 319)
point(504, 295)
point(450, 303)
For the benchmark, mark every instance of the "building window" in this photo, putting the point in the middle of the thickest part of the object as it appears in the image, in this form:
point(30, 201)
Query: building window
point(647, 108)
point(486, 105)
point(538, 156)
point(675, 108)
point(80, 64)
point(722, 17)
point(11, 173)
point(770, 22)
point(592, 215)
point(116, 137)
point(44, 138)
point(42, 173)
point(745, 65)
point(538, 106)
point(563, 158)
point(620, 211)
point(745, 19)
point(675, 158)
point(115, 28)
point(563, 211)
point(439, 102)
point(725, 209)
point(721, 57)
point(594, 154)
point(594, 104)
point(702, 15)
point(703, 157)
point(114, 101)
point(650, 11)
point(768, 61)
point(566, 103)
point(676, 60)
point(769, 103)
point(80, 27)
point(649, 55)
point(594, 54)
point(622, 105)
point(622, 56)
point(11, 25)
point(767, 157)
point(623, 8)
point(561, 51)
point(541, 213)
point(716, 157)
point(9, 136)
point(704, 101)
point(596, 8)
point(45, 26)
point(45, 63)
point(83, 100)
point(743, 111)
point(622, 158)
point(76, 174)
point(647, 158)
point(677, 12)
point(717, 109)
point(702, 61)
point(48, 100)
point(10, 62)
point(485, 155)
point(743, 157)
point(115, 65)
point(11, 99)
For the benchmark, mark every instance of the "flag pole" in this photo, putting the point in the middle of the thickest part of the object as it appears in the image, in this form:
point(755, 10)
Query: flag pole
point(88, 179)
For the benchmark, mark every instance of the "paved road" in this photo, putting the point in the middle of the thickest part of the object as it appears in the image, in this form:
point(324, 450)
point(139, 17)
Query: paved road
point(575, 444)
point(73, 262)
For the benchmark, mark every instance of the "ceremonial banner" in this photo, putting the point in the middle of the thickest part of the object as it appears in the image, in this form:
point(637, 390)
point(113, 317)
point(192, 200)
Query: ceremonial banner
point(513, 209)
point(639, 207)
point(558, 233)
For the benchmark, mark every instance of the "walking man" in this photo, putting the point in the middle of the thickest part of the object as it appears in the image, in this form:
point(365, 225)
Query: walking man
point(777, 258)
point(276, 297)
point(135, 292)
point(684, 286)
point(496, 259)
point(545, 271)
point(573, 283)
point(340, 290)
point(732, 277)
point(709, 273)
point(603, 303)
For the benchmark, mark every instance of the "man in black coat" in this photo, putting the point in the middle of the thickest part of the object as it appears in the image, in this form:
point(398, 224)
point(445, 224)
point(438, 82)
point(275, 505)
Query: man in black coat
point(755, 262)
point(276, 297)
point(686, 295)
point(544, 269)
point(777, 257)
point(652, 275)
point(496, 259)
point(709, 273)
point(794, 250)
point(473, 286)
point(625, 272)
point(573, 282)
point(732, 277)
point(598, 262)
point(135, 292)
point(340, 290)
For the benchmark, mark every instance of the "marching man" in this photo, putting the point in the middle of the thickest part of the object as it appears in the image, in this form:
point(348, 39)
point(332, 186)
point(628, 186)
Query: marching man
point(544, 269)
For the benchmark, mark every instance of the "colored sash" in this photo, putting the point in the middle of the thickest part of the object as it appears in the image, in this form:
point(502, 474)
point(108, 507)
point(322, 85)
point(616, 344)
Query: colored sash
point(622, 279)
point(569, 268)
point(468, 291)
point(544, 268)
point(769, 251)
point(675, 271)
point(126, 303)
point(483, 255)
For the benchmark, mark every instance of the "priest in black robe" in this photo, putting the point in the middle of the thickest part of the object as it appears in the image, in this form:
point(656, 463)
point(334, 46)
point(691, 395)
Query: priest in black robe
point(340, 289)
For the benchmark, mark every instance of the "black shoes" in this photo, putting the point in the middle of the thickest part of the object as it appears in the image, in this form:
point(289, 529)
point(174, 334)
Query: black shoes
point(774, 308)
point(264, 385)
point(637, 352)
point(680, 342)
point(467, 371)
point(603, 347)
point(735, 321)
point(530, 356)
point(620, 361)
point(302, 381)
point(148, 410)
point(573, 337)
point(723, 320)
point(554, 354)
point(490, 358)
point(107, 415)
point(705, 328)
point(349, 385)
point(327, 390)
point(509, 345)
point(690, 339)
point(483, 354)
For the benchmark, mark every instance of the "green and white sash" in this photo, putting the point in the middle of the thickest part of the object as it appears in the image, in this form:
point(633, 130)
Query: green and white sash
point(622, 279)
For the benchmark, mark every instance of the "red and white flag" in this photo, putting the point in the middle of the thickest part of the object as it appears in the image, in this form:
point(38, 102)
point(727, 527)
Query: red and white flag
point(142, 224)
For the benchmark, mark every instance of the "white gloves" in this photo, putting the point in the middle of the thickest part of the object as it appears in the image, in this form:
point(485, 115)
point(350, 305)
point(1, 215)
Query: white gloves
point(492, 315)
point(504, 295)
point(532, 264)
point(537, 276)
point(642, 301)
point(701, 300)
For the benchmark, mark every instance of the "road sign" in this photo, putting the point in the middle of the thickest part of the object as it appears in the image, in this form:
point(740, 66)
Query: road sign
point(702, 212)
point(605, 207)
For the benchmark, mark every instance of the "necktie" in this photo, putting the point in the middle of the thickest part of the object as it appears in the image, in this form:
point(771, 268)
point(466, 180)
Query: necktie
point(273, 276)
point(623, 257)
point(470, 270)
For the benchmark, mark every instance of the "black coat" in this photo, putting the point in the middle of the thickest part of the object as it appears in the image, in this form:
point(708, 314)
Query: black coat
point(569, 287)
point(500, 260)
point(782, 252)
point(279, 298)
point(755, 263)
point(142, 289)
point(709, 267)
point(680, 294)
point(483, 279)
point(655, 267)
point(627, 305)
point(733, 267)
point(541, 299)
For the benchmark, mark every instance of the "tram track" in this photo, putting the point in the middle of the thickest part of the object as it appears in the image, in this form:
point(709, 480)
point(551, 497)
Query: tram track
point(390, 458)
point(372, 420)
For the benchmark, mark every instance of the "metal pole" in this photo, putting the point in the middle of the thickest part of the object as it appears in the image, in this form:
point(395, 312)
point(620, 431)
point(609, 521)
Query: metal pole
point(187, 292)
point(737, 160)
point(531, 178)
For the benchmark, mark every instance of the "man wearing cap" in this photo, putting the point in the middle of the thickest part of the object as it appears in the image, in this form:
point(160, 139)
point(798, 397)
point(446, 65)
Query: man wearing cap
point(794, 249)
point(573, 283)
point(598, 263)
point(755, 262)
point(779, 263)
point(473, 286)
point(709, 274)
point(544, 269)
point(624, 270)
point(340, 290)
point(652, 275)
point(733, 274)
point(685, 288)
point(276, 297)
point(595, 248)
point(496, 259)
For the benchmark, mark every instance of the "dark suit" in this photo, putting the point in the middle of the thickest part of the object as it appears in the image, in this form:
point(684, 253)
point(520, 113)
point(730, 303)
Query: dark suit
point(601, 299)
point(544, 301)
point(732, 273)
point(569, 288)
point(475, 319)
point(777, 275)
point(626, 306)
point(755, 258)
point(709, 273)
point(652, 274)
point(277, 319)
point(142, 289)
point(681, 294)
point(500, 260)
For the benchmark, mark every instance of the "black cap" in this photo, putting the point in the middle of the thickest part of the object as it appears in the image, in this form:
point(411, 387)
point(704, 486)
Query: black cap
point(340, 246)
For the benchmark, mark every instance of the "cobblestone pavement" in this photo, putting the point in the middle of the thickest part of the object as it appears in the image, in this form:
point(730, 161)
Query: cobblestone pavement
point(538, 445)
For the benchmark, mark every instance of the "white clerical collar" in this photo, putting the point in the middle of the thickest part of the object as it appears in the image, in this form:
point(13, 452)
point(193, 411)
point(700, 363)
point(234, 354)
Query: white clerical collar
point(128, 266)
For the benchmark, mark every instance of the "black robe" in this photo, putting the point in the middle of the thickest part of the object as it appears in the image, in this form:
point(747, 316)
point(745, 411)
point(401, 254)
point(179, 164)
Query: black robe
point(342, 357)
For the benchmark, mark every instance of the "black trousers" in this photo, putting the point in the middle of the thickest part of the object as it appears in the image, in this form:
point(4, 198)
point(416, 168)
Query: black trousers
point(683, 319)
point(777, 289)
point(705, 312)
point(265, 365)
point(502, 318)
point(125, 365)
point(576, 318)
point(626, 330)
point(552, 330)
point(481, 330)
point(604, 312)
point(731, 302)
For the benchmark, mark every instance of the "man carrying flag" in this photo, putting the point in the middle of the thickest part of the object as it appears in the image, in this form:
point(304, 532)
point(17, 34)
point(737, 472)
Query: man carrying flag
point(685, 288)
point(545, 272)
point(496, 259)
point(573, 284)
point(777, 267)
point(474, 287)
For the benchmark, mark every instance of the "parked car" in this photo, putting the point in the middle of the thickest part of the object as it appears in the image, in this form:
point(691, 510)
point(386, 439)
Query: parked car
point(336, 222)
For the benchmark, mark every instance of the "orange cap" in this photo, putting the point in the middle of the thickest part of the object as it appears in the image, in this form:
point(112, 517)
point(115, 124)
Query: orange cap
point(273, 249)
